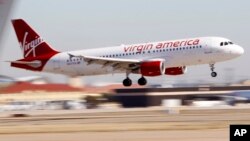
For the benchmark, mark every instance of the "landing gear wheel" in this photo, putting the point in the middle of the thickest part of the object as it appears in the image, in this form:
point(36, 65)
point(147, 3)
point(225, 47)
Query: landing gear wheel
point(127, 82)
point(142, 81)
point(213, 74)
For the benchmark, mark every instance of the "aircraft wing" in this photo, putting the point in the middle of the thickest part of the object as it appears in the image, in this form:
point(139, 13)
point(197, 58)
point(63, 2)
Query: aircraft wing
point(116, 63)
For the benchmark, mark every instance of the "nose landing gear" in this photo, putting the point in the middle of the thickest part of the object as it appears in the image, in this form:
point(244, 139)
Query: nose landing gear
point(213, 73)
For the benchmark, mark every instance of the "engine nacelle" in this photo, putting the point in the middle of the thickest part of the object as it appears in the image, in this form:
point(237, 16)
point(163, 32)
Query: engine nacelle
point(152, 68)
point(176, 70)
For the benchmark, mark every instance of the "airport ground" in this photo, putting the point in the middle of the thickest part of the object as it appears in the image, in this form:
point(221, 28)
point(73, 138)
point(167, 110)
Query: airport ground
point(135, 124)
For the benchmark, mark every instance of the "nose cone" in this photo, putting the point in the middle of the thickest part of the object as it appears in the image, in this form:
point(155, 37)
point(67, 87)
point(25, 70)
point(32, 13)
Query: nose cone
point(238, 50)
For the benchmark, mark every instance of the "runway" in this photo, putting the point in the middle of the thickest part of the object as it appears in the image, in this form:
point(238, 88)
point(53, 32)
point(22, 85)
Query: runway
point(125, 124)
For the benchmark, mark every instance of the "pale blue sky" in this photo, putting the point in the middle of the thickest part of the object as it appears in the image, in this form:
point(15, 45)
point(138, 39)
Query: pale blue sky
point(80, 24)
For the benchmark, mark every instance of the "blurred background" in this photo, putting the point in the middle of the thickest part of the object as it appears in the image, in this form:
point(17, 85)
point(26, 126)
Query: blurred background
point(35, 102)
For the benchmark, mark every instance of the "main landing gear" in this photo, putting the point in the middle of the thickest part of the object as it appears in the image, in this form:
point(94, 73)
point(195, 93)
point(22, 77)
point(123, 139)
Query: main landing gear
point(128, 82)
point(142, 81)
point(213, 73)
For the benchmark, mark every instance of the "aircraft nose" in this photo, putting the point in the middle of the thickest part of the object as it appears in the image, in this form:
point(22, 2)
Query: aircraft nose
point(239, 50)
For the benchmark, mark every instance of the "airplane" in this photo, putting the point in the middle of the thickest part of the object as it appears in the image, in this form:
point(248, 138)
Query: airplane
point(146, 59)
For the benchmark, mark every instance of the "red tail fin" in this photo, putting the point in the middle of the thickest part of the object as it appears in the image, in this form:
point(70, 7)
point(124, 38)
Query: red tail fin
point(36, 51)
point(32, 45)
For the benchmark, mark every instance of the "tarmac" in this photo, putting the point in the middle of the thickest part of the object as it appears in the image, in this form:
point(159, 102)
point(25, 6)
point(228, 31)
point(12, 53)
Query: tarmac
point(136, 124)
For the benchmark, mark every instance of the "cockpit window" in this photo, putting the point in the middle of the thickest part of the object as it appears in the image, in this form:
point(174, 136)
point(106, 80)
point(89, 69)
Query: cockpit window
point(226, 43)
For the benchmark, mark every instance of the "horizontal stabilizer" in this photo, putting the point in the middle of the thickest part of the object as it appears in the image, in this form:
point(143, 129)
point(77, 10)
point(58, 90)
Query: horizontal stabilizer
point(35, 63)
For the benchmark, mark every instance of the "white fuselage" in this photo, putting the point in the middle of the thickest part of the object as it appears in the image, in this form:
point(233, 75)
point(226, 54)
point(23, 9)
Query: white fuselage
point(183, 52)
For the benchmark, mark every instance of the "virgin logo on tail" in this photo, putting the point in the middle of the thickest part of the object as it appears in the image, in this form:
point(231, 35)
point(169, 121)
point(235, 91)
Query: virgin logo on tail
point(29, 48)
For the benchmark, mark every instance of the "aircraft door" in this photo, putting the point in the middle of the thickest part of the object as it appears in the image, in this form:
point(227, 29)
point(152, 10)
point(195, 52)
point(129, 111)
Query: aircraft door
point(208, 47)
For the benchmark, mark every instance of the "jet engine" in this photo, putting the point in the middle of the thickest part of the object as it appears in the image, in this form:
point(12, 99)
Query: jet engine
point(152, 68)
point(176, 70)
